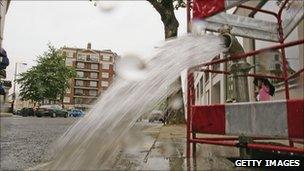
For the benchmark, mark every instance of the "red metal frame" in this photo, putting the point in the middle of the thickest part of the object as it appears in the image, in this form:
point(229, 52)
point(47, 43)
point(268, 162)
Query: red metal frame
point(233, 141)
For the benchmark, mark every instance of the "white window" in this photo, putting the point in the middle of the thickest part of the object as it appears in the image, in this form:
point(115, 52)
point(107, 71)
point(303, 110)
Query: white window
point(106, 58)
point(81, 57)
point(105, 66)
point(80, 74)
point(69, 54)
point(66, 100)
point(80, 65)
point(93, 83)
point(69, 62)
point(104, 83)
point(105, 75)
point(93, 92)
point(68, 90)
point(79, 83)
point(78, 91)
point(93, 58)
point(94, 66)
point(94, 75)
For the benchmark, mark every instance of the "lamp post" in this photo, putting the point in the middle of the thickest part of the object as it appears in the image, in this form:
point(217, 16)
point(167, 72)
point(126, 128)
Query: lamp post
point(14, 87)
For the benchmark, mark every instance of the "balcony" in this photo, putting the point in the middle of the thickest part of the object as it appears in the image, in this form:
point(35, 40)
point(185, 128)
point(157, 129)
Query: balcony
point(86, 96)
point(86, 78)
point(86, 87)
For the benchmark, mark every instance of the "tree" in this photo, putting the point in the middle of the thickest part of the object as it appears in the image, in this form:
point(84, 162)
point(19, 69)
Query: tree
point(166, 10)
point(48, 80)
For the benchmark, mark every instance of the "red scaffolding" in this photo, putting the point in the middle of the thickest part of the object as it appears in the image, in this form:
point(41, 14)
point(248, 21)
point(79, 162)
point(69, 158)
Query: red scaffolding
point(194, 121)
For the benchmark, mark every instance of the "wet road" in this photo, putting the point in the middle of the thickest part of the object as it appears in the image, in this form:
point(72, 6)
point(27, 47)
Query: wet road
point(26, 143)
point(25, 140)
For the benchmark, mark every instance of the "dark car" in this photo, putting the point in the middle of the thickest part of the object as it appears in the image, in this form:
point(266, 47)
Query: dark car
point(76, 113)
point(52, 111)
point(27, 112)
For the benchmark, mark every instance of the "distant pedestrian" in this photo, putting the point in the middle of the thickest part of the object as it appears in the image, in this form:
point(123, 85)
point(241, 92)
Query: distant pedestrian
point(266, 89)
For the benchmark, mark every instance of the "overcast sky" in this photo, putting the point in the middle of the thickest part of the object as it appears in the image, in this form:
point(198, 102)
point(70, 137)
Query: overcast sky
point(131, 27)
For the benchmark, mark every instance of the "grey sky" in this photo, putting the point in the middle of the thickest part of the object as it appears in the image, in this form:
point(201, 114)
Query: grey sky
point(131, 27)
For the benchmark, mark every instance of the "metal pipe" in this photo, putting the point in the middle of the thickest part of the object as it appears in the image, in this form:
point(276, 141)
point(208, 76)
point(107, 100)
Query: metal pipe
point(276, 148)
point(258, 9)
point(296, 74)
point(281, 40)
point(189, 75)
point(224, 143)
point(249, 75)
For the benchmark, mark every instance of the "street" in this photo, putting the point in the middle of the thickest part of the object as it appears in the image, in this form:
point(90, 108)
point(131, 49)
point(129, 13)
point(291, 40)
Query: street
point(25, 140)
point(26, 143)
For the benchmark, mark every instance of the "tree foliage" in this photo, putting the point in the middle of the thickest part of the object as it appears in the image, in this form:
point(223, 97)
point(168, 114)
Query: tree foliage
point(48, 80)
point(166, 10)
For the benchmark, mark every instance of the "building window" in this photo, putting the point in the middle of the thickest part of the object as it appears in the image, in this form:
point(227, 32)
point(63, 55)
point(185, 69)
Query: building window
point(93, 92)
point(94, 66)
point(202, 85)
point(94, 75)
point(104, 83)
point(69, 54)
point(66, 100)
point(78, 91)
point(93, 58)
point(106, 58)
point(105, 75)
point(81, 57)
point(78, 100)
point(79, 83)
point(68, 62)
point(93, 83)
point(206, 76)
point(80, 74)
point(80, 65)
point(276, 57)
point(105, 66)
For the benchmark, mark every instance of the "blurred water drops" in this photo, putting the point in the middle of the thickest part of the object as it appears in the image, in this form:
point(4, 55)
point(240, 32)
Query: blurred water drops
point(106, 6)
point(176, 103)
point(132, 68)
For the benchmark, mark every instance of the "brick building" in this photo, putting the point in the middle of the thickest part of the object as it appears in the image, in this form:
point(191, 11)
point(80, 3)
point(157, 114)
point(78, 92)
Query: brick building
point(95, 72)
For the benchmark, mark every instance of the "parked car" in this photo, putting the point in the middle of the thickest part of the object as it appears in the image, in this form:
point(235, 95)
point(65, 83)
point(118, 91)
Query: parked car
point(26, 111)
point(52, 111)
point(76, 113)
point(156, 115)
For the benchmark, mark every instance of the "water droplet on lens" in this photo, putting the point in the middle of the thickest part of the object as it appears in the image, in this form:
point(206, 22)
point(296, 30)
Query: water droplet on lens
point(176, 103)
point(131, 67)
point(106, 6)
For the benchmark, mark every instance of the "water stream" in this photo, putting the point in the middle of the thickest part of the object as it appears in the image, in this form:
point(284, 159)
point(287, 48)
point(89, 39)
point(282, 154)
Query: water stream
point(93, 140)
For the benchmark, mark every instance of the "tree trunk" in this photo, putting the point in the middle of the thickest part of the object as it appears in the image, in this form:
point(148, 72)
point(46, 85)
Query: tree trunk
point(166, 10)
point(170, 24)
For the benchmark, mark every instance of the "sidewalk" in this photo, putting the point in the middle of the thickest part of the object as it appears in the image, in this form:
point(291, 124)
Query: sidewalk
point(166, 150)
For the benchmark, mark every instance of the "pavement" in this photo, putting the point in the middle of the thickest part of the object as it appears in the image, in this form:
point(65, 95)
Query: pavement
point(166, 150)
point(26, 143)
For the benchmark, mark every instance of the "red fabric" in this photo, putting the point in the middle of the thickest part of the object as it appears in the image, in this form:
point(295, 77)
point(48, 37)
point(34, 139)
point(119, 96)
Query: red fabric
point(295, 112)
point(209, 119)
point(205, 8)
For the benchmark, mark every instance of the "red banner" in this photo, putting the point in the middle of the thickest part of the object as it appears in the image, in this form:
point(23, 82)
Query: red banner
point(205, 8)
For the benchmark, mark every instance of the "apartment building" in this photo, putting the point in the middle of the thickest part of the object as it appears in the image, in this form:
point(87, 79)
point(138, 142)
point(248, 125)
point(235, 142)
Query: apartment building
point(95, 72)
